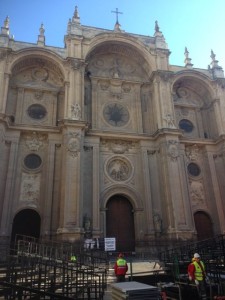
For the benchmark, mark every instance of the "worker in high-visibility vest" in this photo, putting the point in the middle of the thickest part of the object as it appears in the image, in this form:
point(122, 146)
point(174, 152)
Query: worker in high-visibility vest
point(73, 258)
point(120, 268)
point(197, 273)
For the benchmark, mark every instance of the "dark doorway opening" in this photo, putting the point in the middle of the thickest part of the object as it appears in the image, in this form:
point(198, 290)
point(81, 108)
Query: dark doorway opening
point(120, 223)
point(26, 223)
point(203, 225)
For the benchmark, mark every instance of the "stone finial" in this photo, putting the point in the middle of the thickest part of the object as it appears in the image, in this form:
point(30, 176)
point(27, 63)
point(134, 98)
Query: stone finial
point(41, 36)
point(217, 71)
point(117, 27)
point(187, 60)
point(159, 38)
point(76, 17)
point(69, 26)
point(156, 26)
point(6, 22)
point(5, 27)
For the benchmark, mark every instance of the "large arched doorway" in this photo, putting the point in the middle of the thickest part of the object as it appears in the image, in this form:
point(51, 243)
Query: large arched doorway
point(203, 225)
point(120, 223)
point(27, 222)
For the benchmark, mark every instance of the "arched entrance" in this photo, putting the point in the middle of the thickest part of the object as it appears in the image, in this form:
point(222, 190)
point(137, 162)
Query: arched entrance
point(203, 225)
point(120, 223)
point(26, 222)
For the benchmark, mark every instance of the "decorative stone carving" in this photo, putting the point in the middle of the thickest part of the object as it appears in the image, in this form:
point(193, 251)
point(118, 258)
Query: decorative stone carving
point(169, 121)
point(118, 146)
point(38, 95)
point(75, 111)
point(119, 169)
point(197, 192)
point(192, 152)
point(35, 141)
point(172, 149)
point(30, 187)
point(73, 144)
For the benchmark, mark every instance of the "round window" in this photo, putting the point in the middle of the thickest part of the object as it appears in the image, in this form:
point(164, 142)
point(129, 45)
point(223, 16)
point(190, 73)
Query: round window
point(32, 161)
point(37, 111)
point(194, 169)
point(116, 114)
point(186, 125)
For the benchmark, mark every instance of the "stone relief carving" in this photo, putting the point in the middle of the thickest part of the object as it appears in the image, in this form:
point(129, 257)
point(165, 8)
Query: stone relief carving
point(30, 187)
point(35, 141)
point(118, 146)
point(169, 121)
point(119, 169)
point(104, 85)
point(44, 71)
point(197, 192)
point(192, 152)
point(73, 144)
point(38, 95)
point(172, 149)
point(75, 111)
point(185, 97)
point(115, 64)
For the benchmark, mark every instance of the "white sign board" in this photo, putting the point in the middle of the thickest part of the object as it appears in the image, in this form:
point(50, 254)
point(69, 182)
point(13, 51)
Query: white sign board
point(110, 244)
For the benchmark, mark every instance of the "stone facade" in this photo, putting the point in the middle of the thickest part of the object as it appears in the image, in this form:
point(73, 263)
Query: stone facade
point(108, 115)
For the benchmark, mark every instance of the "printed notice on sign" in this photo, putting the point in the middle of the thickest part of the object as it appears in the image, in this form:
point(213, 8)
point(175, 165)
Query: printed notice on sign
point(110, 244)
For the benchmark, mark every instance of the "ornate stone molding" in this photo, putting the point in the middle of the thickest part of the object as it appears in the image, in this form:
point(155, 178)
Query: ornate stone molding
point(172, 150)
point(118, 146)
point(35, 141)
point(192, 152)
point(73, 143)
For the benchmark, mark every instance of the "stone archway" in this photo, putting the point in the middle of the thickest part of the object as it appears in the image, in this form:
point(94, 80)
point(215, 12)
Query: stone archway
point(27, 222)
point(203, 225)
point(120, 223)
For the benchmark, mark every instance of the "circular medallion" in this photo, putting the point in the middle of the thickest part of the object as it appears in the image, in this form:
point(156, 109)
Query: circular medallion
point(116, 114)
point(119, 169)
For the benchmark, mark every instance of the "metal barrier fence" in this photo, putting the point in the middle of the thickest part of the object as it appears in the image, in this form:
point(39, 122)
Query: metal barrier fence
point(40, 270)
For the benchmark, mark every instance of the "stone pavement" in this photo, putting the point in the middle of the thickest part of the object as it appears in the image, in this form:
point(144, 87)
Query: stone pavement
point(137, 267)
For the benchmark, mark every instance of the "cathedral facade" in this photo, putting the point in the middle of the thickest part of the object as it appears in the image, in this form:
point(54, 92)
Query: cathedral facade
point(104, 138)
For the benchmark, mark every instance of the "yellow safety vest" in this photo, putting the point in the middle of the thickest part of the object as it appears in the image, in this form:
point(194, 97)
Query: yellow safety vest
point(199, 273)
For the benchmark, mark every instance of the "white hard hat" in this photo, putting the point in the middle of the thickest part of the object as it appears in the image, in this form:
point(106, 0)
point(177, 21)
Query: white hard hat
point(196, 255)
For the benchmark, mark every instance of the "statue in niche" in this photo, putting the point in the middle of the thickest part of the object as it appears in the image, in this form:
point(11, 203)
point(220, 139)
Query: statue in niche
point(87, 226)
point(157, 221)
point(75, 111)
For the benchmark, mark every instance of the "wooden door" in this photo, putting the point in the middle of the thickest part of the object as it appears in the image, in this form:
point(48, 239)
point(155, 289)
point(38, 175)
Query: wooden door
point(120, 223)
point(203, 226)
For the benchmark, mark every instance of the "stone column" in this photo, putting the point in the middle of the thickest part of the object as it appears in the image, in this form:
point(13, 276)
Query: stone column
point(216, 188)
point(49, 179)
point(175, 199)
point(71, 209)
point(5, 86)
point(96, 196)
point(147, 192)
point(9, 189)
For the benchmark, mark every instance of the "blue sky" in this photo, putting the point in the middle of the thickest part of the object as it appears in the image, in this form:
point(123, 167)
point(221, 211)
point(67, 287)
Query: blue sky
point(198, 25)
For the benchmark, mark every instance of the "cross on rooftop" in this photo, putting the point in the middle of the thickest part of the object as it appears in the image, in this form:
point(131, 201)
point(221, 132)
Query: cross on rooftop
point(116, 12)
